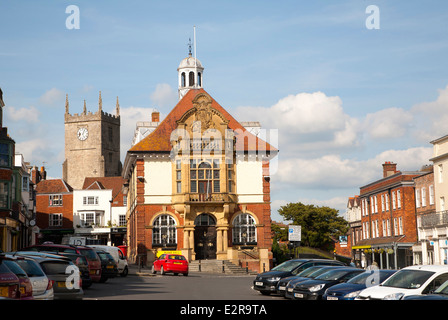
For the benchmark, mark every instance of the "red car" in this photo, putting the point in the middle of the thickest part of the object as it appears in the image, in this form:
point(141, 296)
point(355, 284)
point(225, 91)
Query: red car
point(174, 263)
point(26, 288)
point(9, 283)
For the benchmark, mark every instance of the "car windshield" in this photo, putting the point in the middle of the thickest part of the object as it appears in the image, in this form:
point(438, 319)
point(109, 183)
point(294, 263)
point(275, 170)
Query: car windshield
point(332, 275)
point(408, 279)
point(317, 273)
point(15, 268)
point(308, 271)
point(54, 267)
point(176, 257)
point(31, 268)
point(375, 277)
point(287, 266)
point(89, 254)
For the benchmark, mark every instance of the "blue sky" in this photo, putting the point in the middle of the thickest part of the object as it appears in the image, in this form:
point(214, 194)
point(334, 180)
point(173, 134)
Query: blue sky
point(344, 98)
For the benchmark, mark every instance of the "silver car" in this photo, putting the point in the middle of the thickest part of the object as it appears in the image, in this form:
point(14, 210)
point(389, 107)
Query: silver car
point(42, 286)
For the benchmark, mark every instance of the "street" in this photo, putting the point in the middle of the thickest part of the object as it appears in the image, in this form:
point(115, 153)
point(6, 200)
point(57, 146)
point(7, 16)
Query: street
point(197, 286)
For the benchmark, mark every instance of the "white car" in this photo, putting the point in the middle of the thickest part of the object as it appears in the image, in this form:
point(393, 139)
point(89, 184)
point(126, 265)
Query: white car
point(415, 280)
point(118, 256)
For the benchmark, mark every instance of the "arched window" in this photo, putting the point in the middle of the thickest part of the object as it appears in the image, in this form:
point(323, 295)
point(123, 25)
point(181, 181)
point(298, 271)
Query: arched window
point(182, 79)
point(244, 229)
point(205, 177)
point(199, 79)
point(204, 219)
point(191, 79)
point(164, 231)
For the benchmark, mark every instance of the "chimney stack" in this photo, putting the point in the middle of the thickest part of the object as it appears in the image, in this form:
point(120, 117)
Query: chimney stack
point(389, 168)
point(155, 116)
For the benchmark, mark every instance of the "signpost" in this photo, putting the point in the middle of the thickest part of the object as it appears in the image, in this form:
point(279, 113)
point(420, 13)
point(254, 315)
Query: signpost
point(294, 237)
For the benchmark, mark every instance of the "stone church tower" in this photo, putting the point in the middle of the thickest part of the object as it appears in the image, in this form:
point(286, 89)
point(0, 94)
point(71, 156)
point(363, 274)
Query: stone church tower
point(92, 145)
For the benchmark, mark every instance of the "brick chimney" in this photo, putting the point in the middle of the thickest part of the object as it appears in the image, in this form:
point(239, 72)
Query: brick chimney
point(155, 116)
point(389, 168)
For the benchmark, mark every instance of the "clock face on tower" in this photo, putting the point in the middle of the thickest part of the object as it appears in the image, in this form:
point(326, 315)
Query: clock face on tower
point(83, 133)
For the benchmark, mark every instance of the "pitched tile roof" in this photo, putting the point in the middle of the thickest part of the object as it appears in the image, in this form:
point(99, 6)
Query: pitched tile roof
point(159, 139)
point(53, 186)
point(100, 183)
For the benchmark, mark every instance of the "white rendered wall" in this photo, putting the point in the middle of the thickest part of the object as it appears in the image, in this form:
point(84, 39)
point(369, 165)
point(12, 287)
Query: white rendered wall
point(158, 181)
point(249, 181)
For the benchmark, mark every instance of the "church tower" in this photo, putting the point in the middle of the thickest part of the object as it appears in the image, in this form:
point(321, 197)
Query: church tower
point(92, 144)
point(190, 74)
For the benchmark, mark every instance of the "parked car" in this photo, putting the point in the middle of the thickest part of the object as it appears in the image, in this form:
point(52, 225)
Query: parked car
point(26, 289)
point(414, 280)
point(42, 286)
point(9, 283)
point(83, 264)
point(119, 257)
point(441, 293)
point(58, 271)
point(266, 282)
point(351, 289)
point(174, 263)
point(92, 259)
point(315, 288)
point(315, 272)
point(109, 268)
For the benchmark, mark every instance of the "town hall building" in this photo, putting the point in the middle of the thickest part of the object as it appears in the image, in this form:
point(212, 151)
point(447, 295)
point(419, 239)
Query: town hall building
point(199, 183)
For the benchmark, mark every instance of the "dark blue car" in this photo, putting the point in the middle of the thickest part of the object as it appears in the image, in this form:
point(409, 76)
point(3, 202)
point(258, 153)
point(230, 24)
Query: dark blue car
point(351, 289)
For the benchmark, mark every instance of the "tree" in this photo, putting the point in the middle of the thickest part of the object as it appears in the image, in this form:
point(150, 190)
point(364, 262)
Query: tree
point(319, 224)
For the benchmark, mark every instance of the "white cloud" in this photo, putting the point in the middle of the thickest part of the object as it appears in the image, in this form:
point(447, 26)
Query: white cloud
point(164, 96)
point(333, 172)
point(29, 115)
point(52, 97)
point(388, 123)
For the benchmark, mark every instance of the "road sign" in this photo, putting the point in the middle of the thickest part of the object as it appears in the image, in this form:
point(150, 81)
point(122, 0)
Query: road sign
point(294, 233)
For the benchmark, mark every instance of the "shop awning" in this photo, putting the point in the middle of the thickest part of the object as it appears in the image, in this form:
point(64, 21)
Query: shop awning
point(368, 246)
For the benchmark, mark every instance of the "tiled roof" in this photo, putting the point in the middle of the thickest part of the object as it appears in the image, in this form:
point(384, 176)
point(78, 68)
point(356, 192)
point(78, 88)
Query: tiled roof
point(98, 183)
point(159, 139)
point(53, 186)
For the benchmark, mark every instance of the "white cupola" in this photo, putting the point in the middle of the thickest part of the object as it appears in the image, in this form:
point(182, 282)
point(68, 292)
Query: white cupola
point(190, 74)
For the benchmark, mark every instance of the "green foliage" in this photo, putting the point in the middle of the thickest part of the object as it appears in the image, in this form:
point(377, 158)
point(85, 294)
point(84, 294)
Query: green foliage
point(319, 224)
point(279, 233)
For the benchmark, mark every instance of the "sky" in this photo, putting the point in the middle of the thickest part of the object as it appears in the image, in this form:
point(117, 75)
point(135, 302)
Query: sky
point(346, 87)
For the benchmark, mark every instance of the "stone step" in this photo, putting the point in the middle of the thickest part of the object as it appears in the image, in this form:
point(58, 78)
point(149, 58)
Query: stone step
point(217, 266)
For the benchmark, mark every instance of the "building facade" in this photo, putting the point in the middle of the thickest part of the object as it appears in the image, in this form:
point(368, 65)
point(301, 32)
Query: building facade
point(388, 219)
point(99, 211)
point(92, 145)
point(54, 210)
point(433, 222)
point(199, 184)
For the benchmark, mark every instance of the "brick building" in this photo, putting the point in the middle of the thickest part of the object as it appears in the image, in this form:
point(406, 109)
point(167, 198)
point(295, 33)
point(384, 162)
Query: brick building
point(425, 208)
point(54, 209)
point(388, 219)
point(199, 184)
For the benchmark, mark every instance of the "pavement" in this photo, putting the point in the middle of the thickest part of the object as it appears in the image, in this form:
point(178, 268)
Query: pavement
point(135, 270)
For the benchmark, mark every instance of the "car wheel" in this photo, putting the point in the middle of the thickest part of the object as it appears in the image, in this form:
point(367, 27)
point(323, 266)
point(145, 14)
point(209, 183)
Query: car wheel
point(125, 272)
point(176, 274)
point(162, 272)
point(186, 274)
point(153, 270)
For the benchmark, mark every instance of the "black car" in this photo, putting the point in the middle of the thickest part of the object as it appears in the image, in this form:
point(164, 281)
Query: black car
point(315, 272)
point(267, 282)
point(109, 268)
point(315, 288)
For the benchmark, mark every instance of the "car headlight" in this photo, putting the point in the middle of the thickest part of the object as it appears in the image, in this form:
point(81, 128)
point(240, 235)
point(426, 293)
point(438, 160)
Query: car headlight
point(274, 279)
point(316, 287)
point(353, 294)
point(394, 296)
